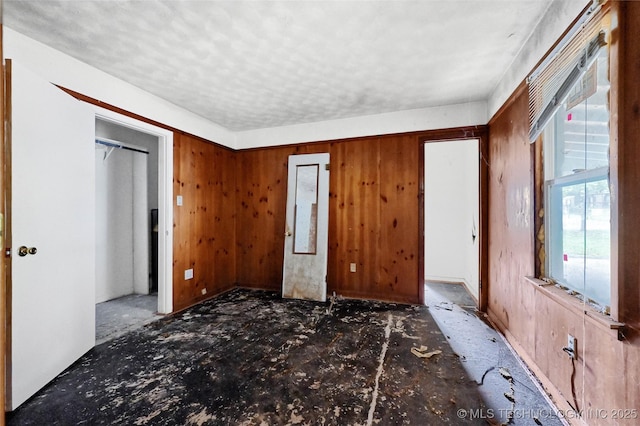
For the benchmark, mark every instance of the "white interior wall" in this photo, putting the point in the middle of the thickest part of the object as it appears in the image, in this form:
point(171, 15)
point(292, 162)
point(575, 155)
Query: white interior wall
point(147, 141)
point(441, 117)
point(113, 185)
point(113, 131)
point(452, 212)
point(121, 224)
point(141, 235)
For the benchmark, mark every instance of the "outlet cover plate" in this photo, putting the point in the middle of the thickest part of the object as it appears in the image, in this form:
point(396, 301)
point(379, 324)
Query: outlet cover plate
point(571, 345)
point(188, 274)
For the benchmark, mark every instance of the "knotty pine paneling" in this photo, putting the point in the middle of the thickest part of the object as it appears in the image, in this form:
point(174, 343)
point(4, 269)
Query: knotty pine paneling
point(373, 216)
point(204, 226)
point(261, 196)
point(399, 216)
point(354, 211)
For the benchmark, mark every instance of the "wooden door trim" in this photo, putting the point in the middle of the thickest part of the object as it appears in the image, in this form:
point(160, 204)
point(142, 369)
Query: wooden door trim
point(481, 134)
point(5, 306)
point(5, 187)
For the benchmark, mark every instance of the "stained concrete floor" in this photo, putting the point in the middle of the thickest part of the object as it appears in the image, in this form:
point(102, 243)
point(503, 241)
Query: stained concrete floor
point(487, 359)
point(251, 357)
point(124, 314)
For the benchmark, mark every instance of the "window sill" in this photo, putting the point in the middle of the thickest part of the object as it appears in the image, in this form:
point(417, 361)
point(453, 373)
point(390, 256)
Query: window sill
point(573, 304)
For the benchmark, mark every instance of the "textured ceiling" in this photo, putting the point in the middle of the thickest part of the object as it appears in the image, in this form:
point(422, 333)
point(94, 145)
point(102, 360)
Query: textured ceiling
point(256, 64)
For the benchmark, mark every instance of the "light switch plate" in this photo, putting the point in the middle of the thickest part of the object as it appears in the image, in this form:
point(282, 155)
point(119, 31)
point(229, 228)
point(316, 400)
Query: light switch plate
point(179, 200)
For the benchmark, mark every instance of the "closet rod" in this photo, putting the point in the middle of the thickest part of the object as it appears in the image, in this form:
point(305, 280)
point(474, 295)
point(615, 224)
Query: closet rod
point(115, 144)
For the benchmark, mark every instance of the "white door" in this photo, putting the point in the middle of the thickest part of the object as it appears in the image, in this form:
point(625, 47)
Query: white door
point(52, 212)
point(307, 228)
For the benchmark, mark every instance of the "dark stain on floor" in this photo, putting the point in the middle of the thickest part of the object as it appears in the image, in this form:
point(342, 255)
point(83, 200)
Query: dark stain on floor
point(253, 358)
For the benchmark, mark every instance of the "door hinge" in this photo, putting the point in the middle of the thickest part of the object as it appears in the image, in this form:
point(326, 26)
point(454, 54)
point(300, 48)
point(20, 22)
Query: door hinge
point(326, 166)
point(7, 252)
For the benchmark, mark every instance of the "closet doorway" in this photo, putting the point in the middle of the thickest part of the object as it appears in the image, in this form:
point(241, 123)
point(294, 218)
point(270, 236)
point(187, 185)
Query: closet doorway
point(133, 207)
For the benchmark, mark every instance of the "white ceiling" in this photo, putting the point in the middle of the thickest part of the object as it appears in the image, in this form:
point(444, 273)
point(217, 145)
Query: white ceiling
point(258, 64)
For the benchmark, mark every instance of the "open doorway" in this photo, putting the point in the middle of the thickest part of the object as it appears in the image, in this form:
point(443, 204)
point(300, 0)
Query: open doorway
point(133, 207)
point(452, 213)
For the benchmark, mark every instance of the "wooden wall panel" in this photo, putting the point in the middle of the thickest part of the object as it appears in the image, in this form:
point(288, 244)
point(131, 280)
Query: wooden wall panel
point(204, 226)
point(605, 376)
point(607, 371)
point(373, 216)
point(355, 217)
point(261, 196)
point(511, 222)
point(399, 217)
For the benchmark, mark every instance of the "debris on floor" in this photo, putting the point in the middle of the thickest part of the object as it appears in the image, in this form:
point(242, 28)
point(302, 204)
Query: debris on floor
point(333, 301)
point(511, 394)
point(444, 305)
point(505, 373)
point(421, 352)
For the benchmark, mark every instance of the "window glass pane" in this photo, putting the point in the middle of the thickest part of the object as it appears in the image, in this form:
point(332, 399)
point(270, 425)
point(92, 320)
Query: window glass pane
point(579, 246)
point(582, 123)
point(578, 211)
point(598, 242)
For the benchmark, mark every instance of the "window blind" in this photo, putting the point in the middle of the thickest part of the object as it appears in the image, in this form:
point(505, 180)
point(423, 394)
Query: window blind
point(551, 81)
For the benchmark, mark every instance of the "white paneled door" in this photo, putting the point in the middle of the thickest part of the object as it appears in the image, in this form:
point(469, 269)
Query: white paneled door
point(52, 220)
point(307, 228)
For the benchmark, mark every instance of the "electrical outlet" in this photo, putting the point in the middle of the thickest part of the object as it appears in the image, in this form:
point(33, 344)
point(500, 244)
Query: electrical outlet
point(352, 267)
point(179, 200)
point(188, 274)
point(571, 346)
point(204, 291)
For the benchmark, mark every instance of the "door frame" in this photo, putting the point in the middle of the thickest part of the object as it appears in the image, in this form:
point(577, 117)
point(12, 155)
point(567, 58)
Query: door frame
point(4, 174)
point(165, 199)
point(466, 269)
point(482, 134)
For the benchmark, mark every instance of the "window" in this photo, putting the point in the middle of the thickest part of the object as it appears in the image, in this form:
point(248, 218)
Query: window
point(577, 198)
point(569, 106)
